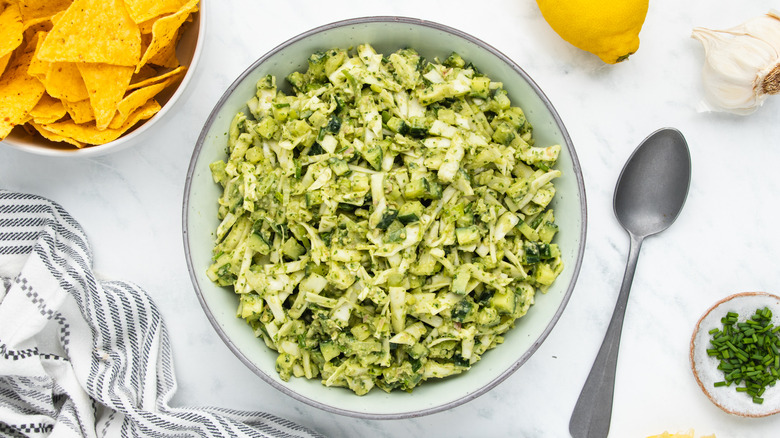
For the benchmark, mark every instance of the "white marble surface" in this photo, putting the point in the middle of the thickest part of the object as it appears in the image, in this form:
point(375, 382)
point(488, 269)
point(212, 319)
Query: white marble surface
point(724, 242)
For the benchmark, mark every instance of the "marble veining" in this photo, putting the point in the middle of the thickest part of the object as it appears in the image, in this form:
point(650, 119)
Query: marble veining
point(725, 241)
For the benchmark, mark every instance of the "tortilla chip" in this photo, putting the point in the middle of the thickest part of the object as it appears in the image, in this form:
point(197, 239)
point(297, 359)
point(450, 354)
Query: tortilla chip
point(138, 98)
point(146, 10)
point(177, 72)
point(166, 57)
point(39, 68)
point(11, 29)
point(90, 134)
point(145, 73)
point(31, 29)
point(56, 17)
point(37, 23)
point(94, 31)
point(80, 112)
point(106, 85)
point(124, 112)
point(41, 9)
point(55, 137)
point(4, 62)
point(146, 39)
point(19, 92)
point(48, 110)
point(146, 27)
point(63, 81)
point(165, 30)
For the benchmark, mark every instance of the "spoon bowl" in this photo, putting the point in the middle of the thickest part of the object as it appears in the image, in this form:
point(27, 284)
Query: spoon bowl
point(653, 185)
point(649, 195)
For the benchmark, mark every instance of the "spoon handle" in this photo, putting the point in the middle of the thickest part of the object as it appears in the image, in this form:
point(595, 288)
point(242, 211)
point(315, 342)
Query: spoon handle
point(593, 410)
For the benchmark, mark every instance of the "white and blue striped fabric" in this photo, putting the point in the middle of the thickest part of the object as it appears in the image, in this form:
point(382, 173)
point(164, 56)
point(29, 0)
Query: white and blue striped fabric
point(81, 357)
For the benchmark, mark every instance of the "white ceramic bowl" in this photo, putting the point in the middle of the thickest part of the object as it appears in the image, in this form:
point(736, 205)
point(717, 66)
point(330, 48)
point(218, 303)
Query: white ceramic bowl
point(188, 52)
point(386, 34)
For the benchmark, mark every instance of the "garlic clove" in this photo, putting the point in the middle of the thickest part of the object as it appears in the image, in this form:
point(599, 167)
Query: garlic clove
point(763, 27)
point(729, 96)
point(742, 64)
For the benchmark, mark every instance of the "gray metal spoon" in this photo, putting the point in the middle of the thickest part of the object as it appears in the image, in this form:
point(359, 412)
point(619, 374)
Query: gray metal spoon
point(649, 195)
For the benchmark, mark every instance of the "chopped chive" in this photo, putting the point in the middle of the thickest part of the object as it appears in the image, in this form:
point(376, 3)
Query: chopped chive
point(748, 351)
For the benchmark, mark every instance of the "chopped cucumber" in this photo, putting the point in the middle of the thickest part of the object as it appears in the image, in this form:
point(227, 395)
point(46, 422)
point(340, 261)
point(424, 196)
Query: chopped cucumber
point(410, 212)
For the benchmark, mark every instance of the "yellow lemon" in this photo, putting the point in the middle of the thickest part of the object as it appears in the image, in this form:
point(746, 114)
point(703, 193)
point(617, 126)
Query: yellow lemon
point(607, 28)
point(679, 435)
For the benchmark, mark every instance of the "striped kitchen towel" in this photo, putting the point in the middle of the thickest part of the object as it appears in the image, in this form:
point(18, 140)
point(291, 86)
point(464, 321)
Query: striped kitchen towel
point(81, 357)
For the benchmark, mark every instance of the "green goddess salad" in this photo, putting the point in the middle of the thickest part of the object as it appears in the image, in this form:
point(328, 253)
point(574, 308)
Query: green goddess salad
point(386, 222)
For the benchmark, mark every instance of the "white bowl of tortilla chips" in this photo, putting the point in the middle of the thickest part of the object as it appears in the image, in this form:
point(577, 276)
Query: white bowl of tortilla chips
point(85, 77)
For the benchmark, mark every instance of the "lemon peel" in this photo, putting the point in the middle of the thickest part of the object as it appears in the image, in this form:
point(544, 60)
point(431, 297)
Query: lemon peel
point(689, 434)
point(607, 28)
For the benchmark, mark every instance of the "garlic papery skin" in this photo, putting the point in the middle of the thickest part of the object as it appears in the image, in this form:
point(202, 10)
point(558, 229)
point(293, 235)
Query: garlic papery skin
point(741, 64)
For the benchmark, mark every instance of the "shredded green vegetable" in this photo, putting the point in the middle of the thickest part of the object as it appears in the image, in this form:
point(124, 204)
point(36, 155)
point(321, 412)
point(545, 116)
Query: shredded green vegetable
point(748, 352)
point(387, 222)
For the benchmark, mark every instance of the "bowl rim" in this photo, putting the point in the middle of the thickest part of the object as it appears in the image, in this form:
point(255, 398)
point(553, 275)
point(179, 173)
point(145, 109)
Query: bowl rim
point(504, 374)
point(126, 140)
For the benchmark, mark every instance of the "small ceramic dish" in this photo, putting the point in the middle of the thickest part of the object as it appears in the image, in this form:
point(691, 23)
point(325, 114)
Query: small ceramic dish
point(705, 367)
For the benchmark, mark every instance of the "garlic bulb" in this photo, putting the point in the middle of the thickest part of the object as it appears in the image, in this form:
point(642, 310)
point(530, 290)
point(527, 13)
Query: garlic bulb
point(742, 64)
